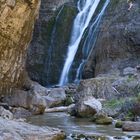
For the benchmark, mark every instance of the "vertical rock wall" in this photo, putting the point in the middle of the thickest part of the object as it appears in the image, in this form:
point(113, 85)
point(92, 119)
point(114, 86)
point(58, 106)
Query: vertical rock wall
point(118, 43)
point(48, 49)
point(17, 19)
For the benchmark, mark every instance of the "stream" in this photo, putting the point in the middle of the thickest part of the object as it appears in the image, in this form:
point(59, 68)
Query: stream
point(76, 126)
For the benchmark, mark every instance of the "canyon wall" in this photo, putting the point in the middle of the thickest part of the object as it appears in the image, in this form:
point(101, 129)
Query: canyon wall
point(48, 49)
point(17, 19)
point(118, 43)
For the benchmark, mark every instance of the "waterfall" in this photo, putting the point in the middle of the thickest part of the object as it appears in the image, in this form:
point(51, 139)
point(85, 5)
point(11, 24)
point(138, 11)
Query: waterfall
point(90, 40)
point(86, 10)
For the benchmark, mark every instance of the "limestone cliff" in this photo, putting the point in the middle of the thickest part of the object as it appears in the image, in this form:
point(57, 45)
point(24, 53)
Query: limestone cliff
point(17, 19)
point(118, 43)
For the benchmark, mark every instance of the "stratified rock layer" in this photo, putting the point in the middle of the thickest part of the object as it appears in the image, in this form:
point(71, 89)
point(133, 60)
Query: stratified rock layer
point(16, 24)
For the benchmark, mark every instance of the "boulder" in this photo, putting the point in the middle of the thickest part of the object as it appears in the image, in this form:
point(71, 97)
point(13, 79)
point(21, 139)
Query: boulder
point(20, 112)
point(55, 97)
point(38, 89)
point(16, 130)
point(99, 87)
point(104, 121)
point(88, 107)
point(28, 100)
point(37, 104)
point(131, 126)
point(136, 138)
point(127, 86)
point(129, 71)
point(102, 118)
point(119, 124)
point(6, 114)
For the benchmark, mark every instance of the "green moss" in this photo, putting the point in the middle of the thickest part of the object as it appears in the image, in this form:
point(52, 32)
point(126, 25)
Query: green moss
point(129, 114)
point(119, 124)
point(114, 103)
point(130, 78)
point(69, 100)
point(136, 138)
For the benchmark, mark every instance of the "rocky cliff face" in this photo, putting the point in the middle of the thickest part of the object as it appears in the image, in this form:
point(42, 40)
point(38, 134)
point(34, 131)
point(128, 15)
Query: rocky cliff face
point(118, 43)
point(48, 48)
point(16, 24)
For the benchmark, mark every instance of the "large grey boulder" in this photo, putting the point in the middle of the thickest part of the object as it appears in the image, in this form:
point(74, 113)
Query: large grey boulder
point(131, 126)
point(87, 107)
point(55, 97)
point(99, 87)
point(127, 86)
point(13, 130)
point(28, 100)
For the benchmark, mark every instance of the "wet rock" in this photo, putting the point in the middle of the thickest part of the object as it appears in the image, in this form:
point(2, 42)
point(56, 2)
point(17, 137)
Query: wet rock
point(87, 107)
point(12, 130)
point(131, 126)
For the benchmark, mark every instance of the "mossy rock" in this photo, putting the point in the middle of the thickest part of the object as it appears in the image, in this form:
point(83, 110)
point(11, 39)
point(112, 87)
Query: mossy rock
point(69, 100)
point(119, 124)
point(136, 138)
point(104, 121)
point(83, 136)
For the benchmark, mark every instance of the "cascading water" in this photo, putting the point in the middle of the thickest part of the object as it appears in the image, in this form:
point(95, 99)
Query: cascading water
point(90, 40)
point(86, 10)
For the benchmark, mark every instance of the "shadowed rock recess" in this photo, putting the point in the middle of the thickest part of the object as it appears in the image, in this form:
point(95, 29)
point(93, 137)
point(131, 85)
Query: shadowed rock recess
point(17, 19)
point(47, 51)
